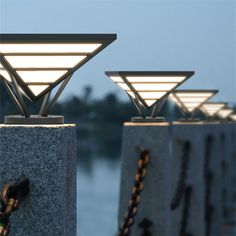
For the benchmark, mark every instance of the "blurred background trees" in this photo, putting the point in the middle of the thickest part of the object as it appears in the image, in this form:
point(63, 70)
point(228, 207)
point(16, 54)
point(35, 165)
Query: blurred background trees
point(99, 121)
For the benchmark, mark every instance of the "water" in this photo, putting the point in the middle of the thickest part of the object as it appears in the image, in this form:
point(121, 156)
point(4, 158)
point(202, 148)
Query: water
point(98, 197)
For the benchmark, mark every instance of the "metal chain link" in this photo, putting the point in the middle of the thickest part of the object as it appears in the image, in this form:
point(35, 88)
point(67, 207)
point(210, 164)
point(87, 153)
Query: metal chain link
point(183, 191)
point(185, 212)
point(129, 217)
point(181, 186)
point(11, 198)
point(208, 175)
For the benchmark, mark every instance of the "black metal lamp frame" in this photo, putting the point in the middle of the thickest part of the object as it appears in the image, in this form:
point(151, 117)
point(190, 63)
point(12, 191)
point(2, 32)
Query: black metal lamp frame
point(139, 102)
point(17, 85)
point(189, 116)
point(212, 118)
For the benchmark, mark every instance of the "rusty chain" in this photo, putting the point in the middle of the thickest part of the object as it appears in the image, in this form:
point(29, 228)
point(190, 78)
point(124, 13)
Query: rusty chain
point(129, 217)
point(11, 198)
point(183, 191)
point(185, 211)
point(181, 186)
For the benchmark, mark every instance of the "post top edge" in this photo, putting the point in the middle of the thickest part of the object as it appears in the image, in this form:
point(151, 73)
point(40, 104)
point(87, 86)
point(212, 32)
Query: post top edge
point(39, 126)
point(159, 124)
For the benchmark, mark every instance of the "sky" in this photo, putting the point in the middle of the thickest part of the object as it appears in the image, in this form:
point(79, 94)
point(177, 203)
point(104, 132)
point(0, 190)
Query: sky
point(198, 35)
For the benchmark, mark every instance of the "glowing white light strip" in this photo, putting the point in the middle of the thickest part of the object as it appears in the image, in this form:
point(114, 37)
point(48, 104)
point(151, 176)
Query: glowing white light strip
point(156, 79)
point(124, 86)
point(49, 48)
point(37, 89)
point(233, 117)
point(195, 99)
point(149, 88)
point(192, 100)
point(154, 87)
point(117, 79)
point(41, 76)
point(224, 113)
point(152, 95)
point(150, 102)
point(212, 109)
point(179, 94)
point(44, 61)
point(4, 73)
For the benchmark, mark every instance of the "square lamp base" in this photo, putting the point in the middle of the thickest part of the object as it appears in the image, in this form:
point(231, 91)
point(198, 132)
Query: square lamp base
point(33, 120)
point(147, 119)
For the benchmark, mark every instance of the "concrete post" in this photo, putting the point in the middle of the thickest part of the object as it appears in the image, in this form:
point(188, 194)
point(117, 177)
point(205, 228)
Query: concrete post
point(47, 155)
point(155, 199)
point(228, 130)
point(214, 202)
point(194, 224)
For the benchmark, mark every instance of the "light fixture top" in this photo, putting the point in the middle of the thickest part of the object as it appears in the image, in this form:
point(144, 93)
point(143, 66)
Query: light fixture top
point(39, 62)
point(225, 113)
point(190, 100)
point(233, 117)
point(211, 108)
point(148, 87)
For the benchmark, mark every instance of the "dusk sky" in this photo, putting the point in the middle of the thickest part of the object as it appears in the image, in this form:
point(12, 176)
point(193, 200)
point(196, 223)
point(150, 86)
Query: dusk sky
point(151, 35)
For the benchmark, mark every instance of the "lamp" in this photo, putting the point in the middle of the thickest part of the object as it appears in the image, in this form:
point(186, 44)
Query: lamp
point(189, 101)
point(225, 113)
point(34, 64)
point(233, 117)
point(148, 90)
point(211, 108)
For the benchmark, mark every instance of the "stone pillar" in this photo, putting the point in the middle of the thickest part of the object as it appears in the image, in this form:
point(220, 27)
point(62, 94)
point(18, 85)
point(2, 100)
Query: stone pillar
point(228, 129)
point(47, 155)
point(191, 132)
point(155, 199)
point(213, 157)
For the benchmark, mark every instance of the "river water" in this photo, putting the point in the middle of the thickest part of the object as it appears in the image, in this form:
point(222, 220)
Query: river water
point(97, 197)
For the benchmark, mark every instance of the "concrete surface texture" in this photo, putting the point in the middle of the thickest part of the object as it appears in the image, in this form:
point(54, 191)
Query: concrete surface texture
point(47, 155)
point(215, 225)
point(193, 133)
point(155, 198)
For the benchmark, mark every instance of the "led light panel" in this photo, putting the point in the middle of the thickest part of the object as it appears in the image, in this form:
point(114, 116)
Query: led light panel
point(233, 117)
point(225, 113)
point(40, 62)
point(4, 73)
point(210, 109)
point(190, 100)
point(149, 87)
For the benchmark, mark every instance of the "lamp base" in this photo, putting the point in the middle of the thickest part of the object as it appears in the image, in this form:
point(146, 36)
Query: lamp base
point(189, 120)
point(33, 120)
point(147, 119)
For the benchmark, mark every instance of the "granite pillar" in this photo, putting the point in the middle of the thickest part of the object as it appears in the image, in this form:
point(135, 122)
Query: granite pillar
point(228, 171)
point(47, 155)
point(155, 198)
point(191, 132)
point(214, 202)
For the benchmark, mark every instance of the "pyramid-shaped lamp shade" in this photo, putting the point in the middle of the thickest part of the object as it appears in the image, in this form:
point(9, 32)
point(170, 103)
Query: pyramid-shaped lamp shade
point(211, 108)
point(4, 73)
point(33, 64)
point(190, 100)
point(233, 117)
point(225, 113)
point(39, 62)
point(148, 88)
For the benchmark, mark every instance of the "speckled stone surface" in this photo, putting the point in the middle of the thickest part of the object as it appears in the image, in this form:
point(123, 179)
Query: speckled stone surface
point(214, 129)
point(155, 198)
point(47, 155)
point(192, 132)
point(228, 144)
